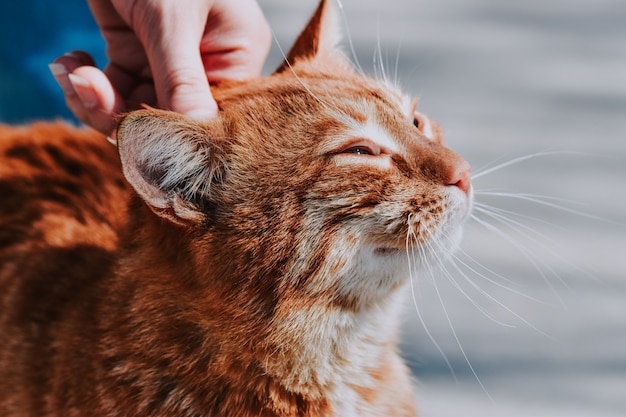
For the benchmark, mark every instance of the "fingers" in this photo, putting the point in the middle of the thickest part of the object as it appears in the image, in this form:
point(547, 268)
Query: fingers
point(184, 87)
point(239, 44)
point(174, 55)
point(164, 53)
point(198, 43)
point(88, 92)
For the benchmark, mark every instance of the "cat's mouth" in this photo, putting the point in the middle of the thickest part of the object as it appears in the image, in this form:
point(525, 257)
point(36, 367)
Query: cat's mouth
point(387, 251)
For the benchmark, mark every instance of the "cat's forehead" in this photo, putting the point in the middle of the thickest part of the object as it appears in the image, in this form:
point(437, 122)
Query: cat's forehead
point(378, 112)
point(366, 92)
point(345, 105)
point(356, 97)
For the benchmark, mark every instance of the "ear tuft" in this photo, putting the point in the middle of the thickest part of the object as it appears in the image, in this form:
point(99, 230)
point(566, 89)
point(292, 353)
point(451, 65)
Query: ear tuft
point(320, 38)
point(171, 161)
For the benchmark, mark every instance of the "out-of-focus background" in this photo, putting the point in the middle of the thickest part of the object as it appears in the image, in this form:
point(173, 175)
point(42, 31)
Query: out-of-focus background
point(32, 34)
point(530, 318)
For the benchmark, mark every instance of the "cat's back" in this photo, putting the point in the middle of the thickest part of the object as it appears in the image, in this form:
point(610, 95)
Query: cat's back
point(60, 187)
point(62, 201)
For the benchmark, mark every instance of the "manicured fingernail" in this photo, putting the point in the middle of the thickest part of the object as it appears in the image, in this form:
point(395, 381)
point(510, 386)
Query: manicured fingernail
point(83, 57)
point(72, 54)
point(111, 141)
point(60, 74)
point(84, 91)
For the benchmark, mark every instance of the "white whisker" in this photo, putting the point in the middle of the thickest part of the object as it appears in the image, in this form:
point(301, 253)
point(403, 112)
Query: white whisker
point(513, 224)
point(535, 262)
point(520, 228)
point(490, 280)
point(482, 172)
point(302, 83)
point(476, 305)
point(410, 254)
point(541, 200)
point(483, 267)
point(396, 80)
point(494, 300)
point(349, 37)
point(513, 214)
point(378, 57)
point(453, 329)
point(456, 285)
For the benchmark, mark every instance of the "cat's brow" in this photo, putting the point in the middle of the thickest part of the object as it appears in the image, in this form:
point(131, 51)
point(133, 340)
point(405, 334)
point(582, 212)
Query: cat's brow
point(377, 134)
point(369, 130)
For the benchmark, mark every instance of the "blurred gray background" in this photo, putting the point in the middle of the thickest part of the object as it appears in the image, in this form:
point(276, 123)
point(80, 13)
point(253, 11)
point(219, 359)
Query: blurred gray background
point(532, 319)
point(543, 320)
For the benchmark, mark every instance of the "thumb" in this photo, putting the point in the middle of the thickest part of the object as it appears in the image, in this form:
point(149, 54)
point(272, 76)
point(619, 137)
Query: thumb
point(174, 54)
point(182, 85)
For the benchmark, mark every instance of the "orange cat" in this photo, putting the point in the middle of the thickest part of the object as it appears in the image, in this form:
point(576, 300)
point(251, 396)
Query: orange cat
point(255, 265)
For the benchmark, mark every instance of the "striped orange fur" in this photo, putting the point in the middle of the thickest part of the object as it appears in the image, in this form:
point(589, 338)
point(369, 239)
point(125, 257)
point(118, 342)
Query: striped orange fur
point(250, 265)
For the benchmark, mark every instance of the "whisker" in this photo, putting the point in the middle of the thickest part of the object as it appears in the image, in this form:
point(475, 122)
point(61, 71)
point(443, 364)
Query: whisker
point(494, 300)
point(541, 201)
point(302, 83)
point(349, 37)
point(513, 214)
point(378, 56)
point(453, 329)
point(476, 305)
point(396, 80)
point(494, 273)
point(520, 227)
point(410, 254)
point(535, 262)
point(458, 287)
point(484, 171)
point(498, 214)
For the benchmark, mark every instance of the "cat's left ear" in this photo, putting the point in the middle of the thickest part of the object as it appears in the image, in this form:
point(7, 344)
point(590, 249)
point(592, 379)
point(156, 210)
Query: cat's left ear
point(171, 161)
point(320, 38)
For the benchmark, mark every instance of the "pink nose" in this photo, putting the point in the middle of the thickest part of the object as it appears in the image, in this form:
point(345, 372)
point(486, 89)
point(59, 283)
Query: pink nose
point(459, 175)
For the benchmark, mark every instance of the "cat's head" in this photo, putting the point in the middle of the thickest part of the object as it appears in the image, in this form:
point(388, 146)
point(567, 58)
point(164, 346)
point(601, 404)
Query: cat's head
point(314, 179)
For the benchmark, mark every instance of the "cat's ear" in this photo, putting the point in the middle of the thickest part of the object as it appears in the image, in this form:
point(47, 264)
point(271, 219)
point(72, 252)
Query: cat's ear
point(320, 38)
point(171, 161)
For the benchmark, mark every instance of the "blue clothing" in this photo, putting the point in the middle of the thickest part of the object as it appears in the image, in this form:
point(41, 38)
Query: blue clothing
point(32, 34)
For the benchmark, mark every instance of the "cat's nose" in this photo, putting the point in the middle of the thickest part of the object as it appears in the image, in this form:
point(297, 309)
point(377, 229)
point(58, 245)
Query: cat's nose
point(459, 174)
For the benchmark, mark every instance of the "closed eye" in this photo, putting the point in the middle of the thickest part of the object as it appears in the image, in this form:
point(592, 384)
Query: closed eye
point(362, 147)
point(359, 150)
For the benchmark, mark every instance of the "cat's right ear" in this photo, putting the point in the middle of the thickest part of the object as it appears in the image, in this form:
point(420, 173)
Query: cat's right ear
point(320, 38)
point(171, 161)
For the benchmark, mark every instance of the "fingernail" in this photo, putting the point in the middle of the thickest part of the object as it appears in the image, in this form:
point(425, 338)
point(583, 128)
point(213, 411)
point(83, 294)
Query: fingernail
point(60, 74)
point(72, 54)
point(111, 141)
point(83, 90)
point(83, 57)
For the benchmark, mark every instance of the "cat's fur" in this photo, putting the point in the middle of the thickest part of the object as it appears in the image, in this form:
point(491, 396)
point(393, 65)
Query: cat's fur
point(254, 267)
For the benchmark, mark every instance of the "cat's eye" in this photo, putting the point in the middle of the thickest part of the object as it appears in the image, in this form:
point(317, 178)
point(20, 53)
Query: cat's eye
point(358, 150)
point(363, 147)
point(422, 123)
point(418, 121)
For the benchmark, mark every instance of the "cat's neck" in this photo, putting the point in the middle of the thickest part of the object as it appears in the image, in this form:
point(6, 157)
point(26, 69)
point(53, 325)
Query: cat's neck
point(320, 352)
point(331, 348)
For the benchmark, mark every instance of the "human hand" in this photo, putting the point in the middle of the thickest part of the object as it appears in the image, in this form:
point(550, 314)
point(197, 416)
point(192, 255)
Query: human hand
point(163, 53)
